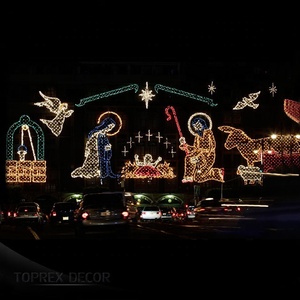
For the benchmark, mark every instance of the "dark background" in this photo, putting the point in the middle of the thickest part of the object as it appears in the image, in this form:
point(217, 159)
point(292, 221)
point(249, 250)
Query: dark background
point(182, 31)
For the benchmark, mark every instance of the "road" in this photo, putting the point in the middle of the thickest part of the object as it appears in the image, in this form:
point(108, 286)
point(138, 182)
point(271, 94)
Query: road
point(183, 255)
point(278, 222)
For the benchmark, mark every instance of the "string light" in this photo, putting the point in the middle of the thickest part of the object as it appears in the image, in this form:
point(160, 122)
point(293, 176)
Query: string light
point(98, 149)
point(211, 88)
point(200, 156)
point(271, 152)
point(292, 109)
point(248, 102)
point(146, 95)
point(60, 110)
point(23, 170)
point(123, 89)
point(147, 168)
point(273, 89)
point(209, 101)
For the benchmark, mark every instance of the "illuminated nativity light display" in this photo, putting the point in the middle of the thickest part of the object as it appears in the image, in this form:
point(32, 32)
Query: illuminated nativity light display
point(147, 168)
point(200, 156)
point(292, 109)
point(98, 150)
point(24, 170)
point(248, 102)
point(264, 156)
point(146, 95)
point(97, 156)
point(271, 153)
point(60, 110)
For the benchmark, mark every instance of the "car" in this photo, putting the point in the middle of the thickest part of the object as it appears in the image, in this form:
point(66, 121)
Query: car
point(28, 214)
point(179, 214)
point(190, 211)
point(133, 212)
point(210, 207)
point(62, 212)
point(29, 203)
point(150, 213)
point(167, 213)
point(101, 211)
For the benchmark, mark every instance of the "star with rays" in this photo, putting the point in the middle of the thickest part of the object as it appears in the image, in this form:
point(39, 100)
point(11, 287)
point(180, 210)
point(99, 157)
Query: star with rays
point(211, 88)
point(273, 89)
point(146, 95)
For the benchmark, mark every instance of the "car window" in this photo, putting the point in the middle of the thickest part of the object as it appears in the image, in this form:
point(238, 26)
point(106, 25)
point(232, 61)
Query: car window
point(27, 209)
point(151, 208)
point(108, 201)
point(211, 203)
point(60, 206)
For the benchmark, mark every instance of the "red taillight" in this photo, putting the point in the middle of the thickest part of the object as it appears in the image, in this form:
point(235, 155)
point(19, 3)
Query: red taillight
point(84, 215)
point(53, 214)
point(125, 214)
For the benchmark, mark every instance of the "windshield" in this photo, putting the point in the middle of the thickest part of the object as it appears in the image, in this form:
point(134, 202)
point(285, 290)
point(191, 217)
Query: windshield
point(107, 201)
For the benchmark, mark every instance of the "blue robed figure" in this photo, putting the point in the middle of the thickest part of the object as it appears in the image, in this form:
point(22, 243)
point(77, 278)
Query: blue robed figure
point(104, 147)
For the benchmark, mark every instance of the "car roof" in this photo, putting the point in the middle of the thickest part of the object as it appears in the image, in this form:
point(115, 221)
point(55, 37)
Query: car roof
point(25, 203)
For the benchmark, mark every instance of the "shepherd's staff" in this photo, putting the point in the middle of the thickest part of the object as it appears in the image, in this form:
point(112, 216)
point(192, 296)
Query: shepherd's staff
point(169, 117)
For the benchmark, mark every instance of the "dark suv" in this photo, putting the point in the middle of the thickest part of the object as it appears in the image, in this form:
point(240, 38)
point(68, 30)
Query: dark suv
point(101, 211)
point(62, 213)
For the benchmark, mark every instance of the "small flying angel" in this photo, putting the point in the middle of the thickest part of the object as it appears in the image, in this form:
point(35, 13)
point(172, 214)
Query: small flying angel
point(61, 110)
point(248, 101)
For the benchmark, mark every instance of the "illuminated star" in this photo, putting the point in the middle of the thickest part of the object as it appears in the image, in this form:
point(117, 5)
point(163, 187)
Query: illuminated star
point(146, 95)
point(273, 89)
point(211, 88)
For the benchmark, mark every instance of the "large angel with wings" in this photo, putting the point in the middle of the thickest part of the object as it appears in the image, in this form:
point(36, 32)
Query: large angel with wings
point(60, 110)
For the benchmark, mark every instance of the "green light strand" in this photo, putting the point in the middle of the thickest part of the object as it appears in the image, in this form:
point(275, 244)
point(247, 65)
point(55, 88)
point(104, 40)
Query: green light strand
point(83, 101)
point(185, 94)
point(25, 120)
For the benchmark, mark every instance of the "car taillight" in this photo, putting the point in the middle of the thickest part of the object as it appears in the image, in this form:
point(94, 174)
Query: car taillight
point(125, 214)
point(84, 215)
point(53, 214)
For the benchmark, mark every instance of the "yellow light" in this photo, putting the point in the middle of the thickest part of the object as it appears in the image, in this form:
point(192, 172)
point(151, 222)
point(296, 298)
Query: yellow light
point(200, 156)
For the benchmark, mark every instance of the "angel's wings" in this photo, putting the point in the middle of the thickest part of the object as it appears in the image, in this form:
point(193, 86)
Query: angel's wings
point(52, 103)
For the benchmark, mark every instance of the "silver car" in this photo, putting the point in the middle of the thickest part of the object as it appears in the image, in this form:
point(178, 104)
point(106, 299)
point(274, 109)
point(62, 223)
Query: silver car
point(28, 214)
